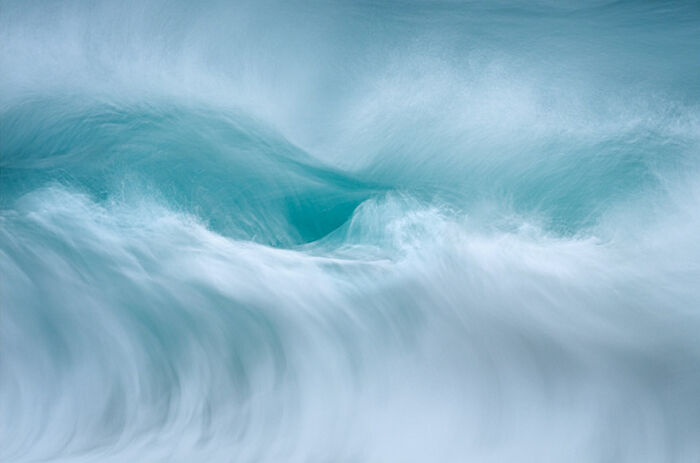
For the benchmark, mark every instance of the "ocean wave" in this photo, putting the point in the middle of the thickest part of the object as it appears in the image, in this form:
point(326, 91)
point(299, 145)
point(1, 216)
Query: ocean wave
point(349, 231)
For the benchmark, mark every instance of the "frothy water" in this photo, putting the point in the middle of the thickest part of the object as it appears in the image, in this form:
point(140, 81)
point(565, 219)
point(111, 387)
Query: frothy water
point(335, 231)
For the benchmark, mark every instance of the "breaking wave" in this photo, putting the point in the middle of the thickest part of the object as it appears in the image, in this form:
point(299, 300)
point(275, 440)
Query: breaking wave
point(350, 231)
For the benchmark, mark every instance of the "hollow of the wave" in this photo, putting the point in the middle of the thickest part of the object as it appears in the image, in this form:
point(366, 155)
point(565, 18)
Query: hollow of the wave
point(239, 178)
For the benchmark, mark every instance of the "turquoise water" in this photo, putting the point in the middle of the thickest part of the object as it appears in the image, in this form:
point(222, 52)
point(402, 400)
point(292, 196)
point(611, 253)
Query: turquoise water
point(332, 231)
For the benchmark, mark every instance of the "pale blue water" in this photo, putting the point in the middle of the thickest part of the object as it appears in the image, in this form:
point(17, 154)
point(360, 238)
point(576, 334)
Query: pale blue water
point(332, 231)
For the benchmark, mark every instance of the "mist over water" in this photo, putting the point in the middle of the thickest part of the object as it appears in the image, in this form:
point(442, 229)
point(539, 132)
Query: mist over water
point(334, 231)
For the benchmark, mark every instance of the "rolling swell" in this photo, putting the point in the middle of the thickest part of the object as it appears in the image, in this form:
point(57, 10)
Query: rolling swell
point(354, 232)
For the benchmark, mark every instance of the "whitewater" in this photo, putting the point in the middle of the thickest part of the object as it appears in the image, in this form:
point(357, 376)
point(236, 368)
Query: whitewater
point(350, 231)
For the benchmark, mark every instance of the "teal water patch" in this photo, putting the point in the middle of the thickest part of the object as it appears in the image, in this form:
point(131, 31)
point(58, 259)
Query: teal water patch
point(225, 169)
